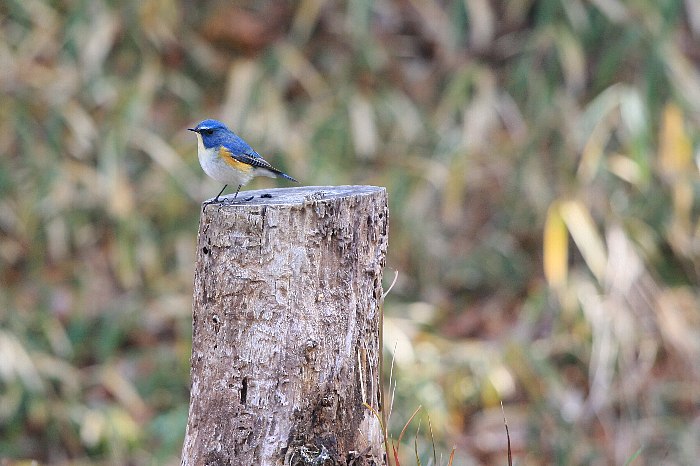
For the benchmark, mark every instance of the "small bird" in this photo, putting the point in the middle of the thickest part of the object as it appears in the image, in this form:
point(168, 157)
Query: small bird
point(228, 159)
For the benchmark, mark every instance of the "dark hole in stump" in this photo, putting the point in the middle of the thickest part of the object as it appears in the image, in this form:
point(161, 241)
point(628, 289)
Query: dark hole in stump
point(244, 389)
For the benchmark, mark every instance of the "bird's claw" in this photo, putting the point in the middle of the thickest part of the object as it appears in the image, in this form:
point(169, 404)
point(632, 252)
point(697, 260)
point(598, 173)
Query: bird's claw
point(230, 200)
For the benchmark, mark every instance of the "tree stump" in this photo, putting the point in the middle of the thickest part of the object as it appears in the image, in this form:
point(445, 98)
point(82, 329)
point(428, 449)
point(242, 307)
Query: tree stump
point(286, 329)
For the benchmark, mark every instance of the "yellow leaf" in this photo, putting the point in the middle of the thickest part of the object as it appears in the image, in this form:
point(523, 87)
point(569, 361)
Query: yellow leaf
point(675, 151)
point(585, 234)
point(555, 248)
point(676, 165)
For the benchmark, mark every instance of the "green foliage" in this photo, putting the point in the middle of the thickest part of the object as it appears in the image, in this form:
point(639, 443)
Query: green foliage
point(540, 158)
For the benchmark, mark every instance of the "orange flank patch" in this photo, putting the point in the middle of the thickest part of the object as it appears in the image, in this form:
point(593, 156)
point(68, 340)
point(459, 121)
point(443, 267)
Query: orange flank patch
point(225, 154)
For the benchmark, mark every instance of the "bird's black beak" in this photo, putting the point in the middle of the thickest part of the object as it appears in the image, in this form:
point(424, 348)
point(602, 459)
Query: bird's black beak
point(193, 129)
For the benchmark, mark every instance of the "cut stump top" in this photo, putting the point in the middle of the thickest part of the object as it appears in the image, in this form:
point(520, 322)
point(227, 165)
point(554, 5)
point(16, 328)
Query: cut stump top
point(294, 196)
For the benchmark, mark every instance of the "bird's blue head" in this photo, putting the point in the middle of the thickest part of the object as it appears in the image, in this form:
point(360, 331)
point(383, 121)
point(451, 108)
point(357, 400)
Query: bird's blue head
point(212, 132)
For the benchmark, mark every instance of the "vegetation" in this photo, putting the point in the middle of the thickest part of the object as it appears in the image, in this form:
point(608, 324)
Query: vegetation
point(541, 163)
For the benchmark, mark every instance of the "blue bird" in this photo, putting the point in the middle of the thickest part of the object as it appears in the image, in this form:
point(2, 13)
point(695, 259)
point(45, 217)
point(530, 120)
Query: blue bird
point(228, 159)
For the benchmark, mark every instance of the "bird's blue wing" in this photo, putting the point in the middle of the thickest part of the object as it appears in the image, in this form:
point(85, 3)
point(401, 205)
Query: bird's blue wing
point(241, 151)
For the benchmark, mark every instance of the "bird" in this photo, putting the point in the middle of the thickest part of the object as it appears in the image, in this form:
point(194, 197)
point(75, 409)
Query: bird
point(228, 159)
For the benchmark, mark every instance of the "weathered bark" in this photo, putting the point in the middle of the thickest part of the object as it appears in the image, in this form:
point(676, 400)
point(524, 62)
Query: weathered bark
point(286, 319)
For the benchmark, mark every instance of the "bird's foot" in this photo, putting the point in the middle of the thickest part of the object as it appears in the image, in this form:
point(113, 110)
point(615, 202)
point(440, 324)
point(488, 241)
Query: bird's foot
point(229, 200)
point(236, 200)
point(210, 202)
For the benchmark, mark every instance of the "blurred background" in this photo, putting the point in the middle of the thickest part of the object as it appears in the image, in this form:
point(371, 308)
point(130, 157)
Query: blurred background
point(541, 159)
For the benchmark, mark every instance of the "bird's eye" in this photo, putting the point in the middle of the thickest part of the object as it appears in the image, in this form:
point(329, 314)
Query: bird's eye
point(209, 131)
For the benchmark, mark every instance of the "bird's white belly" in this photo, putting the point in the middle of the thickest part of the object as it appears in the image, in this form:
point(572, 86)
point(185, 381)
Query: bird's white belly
point(214, 166)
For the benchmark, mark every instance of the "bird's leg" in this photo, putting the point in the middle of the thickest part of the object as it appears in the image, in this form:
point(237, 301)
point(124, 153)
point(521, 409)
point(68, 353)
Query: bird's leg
point(244, 200)
point(232, 200)
point(216, 199)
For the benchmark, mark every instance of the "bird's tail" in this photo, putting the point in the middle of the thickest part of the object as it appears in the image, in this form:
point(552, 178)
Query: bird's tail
point(284, 175)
